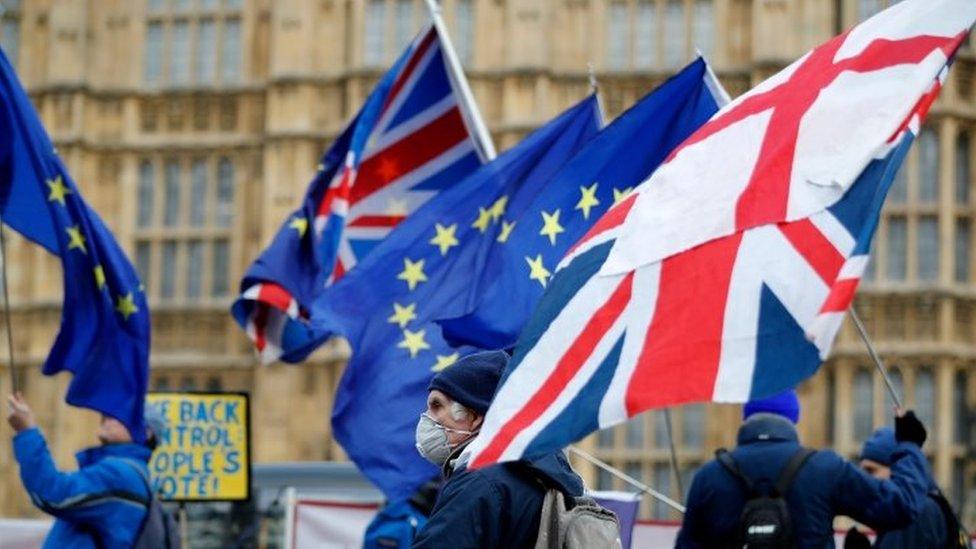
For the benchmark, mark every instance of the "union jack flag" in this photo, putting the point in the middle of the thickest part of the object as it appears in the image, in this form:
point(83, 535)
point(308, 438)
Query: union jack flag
point(410, 140)
point(726, 275)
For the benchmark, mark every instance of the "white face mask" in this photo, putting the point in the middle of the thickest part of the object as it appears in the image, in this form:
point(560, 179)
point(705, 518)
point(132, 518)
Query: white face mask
point(432, 440)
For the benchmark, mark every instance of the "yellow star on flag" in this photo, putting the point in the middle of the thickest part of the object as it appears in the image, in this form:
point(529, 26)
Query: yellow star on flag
point(506, 231)
point(551, 226)
point(76, 239)
point(414, 342)
point(445, 361)
point(126, 306)
point(587, 200)
point(537, 270)
point(445, 238)
point(300, 224)
point(99, 276)
point(412, 273)
point(58, 190)
point(484, 219)
point(403, 315)
point(620, 194)
point(498, 208)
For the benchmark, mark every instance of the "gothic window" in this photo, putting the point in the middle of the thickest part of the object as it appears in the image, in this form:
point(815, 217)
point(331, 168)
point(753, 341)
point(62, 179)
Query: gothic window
point(928, 248)
point(863, 404)
point(191, 43)
point(10, 29)
point(186, 254)
point(897, 248)
point(925, 396)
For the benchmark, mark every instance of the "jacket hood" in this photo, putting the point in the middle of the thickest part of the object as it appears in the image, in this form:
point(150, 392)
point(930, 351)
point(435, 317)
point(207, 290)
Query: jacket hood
point(132, 451)
point(765, 427)
point(555, 467)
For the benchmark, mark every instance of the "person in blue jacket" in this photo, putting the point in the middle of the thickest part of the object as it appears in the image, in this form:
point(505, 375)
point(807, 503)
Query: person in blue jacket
point(500, 505)
point(825, 486)
point(928, 530)
point(104, 502)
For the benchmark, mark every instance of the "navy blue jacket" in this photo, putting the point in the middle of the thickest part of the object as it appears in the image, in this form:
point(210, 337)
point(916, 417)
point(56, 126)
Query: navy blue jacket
point(826, 486)
point(498, 506)
point(927, 530)
point(102, 504)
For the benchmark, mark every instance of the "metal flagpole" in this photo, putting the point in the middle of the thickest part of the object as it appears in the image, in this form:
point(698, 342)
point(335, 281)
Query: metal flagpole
point(674, 453)
point(628, 479)
point(457, 73)
point(874, 356)
point(14, 379)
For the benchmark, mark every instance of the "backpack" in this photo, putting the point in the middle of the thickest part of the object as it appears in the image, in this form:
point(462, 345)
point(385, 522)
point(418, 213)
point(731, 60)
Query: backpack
point(765, 521)
point(159, 529)
point(956, 535)
point(396, 525)
point(584, 525)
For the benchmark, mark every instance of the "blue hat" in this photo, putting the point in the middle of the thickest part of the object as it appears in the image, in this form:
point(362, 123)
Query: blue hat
point(473, 379)
point(155, 421)
point(880, 446)
point(785, 404)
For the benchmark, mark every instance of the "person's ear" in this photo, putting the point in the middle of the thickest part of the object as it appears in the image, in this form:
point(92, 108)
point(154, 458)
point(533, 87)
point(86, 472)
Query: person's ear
point(476, 423)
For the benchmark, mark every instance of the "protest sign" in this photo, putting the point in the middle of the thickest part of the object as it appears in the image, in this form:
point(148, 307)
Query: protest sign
point(204, 453)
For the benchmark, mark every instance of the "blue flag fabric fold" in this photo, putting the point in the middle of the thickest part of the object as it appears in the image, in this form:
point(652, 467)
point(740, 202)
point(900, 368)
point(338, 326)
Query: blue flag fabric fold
point(420, 271)
point(605, 171)
point(104, 334)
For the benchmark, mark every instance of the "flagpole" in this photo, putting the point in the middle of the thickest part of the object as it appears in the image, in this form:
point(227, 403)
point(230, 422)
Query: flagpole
point(674, 452)
point(454, 65)
point(14, 380)
point(874, 356)
point(628, 479)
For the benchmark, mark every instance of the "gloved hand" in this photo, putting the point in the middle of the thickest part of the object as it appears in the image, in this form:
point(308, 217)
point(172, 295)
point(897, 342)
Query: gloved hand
point(908, 428)
point(856, 540)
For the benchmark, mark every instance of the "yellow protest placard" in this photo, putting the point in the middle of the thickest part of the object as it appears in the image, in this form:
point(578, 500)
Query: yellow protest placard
point(204, 453)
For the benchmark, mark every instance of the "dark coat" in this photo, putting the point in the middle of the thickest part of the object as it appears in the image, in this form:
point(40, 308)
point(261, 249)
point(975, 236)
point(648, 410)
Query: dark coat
point(826, 486)
point(498, 506)
point(102, 504)
point(928, 530)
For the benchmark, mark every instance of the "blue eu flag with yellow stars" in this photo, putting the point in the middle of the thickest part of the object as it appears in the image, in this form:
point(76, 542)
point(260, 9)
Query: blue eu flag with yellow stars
point(104, 335)
point(420, 271)
point(507, 288)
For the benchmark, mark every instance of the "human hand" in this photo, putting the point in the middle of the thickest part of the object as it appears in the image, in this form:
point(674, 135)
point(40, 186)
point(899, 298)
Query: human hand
point(19, 414)
point(909, 428)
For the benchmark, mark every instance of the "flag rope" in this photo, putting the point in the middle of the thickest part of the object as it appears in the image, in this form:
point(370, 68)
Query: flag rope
point(628, 479)
point(14, 380)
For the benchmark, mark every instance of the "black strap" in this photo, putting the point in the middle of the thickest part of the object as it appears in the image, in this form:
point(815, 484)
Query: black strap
point(725, 458)
point(791, 469)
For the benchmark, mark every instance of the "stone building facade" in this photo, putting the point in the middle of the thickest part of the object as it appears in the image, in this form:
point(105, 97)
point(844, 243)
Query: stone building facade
point(194, 126)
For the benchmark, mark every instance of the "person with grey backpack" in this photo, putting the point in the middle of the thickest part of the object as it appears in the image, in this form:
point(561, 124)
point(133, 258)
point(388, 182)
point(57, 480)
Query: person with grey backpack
point(525, 504)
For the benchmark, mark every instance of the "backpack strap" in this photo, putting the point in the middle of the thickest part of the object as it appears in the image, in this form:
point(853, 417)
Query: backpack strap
point(725, 458)
point(791, 469)
point(956, 535)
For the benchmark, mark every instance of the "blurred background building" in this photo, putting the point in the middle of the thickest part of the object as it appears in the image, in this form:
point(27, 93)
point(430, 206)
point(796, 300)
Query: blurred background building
point(194, 126)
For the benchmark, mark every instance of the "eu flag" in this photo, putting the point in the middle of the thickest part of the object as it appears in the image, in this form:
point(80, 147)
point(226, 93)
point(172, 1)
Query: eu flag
point(104, 336)
point(419, 272)
point(510, 284)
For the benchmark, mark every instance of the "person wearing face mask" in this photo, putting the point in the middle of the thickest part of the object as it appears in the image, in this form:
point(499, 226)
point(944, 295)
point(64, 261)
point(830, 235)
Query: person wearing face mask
point(500, 505)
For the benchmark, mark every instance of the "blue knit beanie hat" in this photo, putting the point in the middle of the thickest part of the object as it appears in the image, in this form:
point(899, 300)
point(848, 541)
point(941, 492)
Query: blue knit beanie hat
point(785, 404)
point(880, 446)
point(473, 379)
